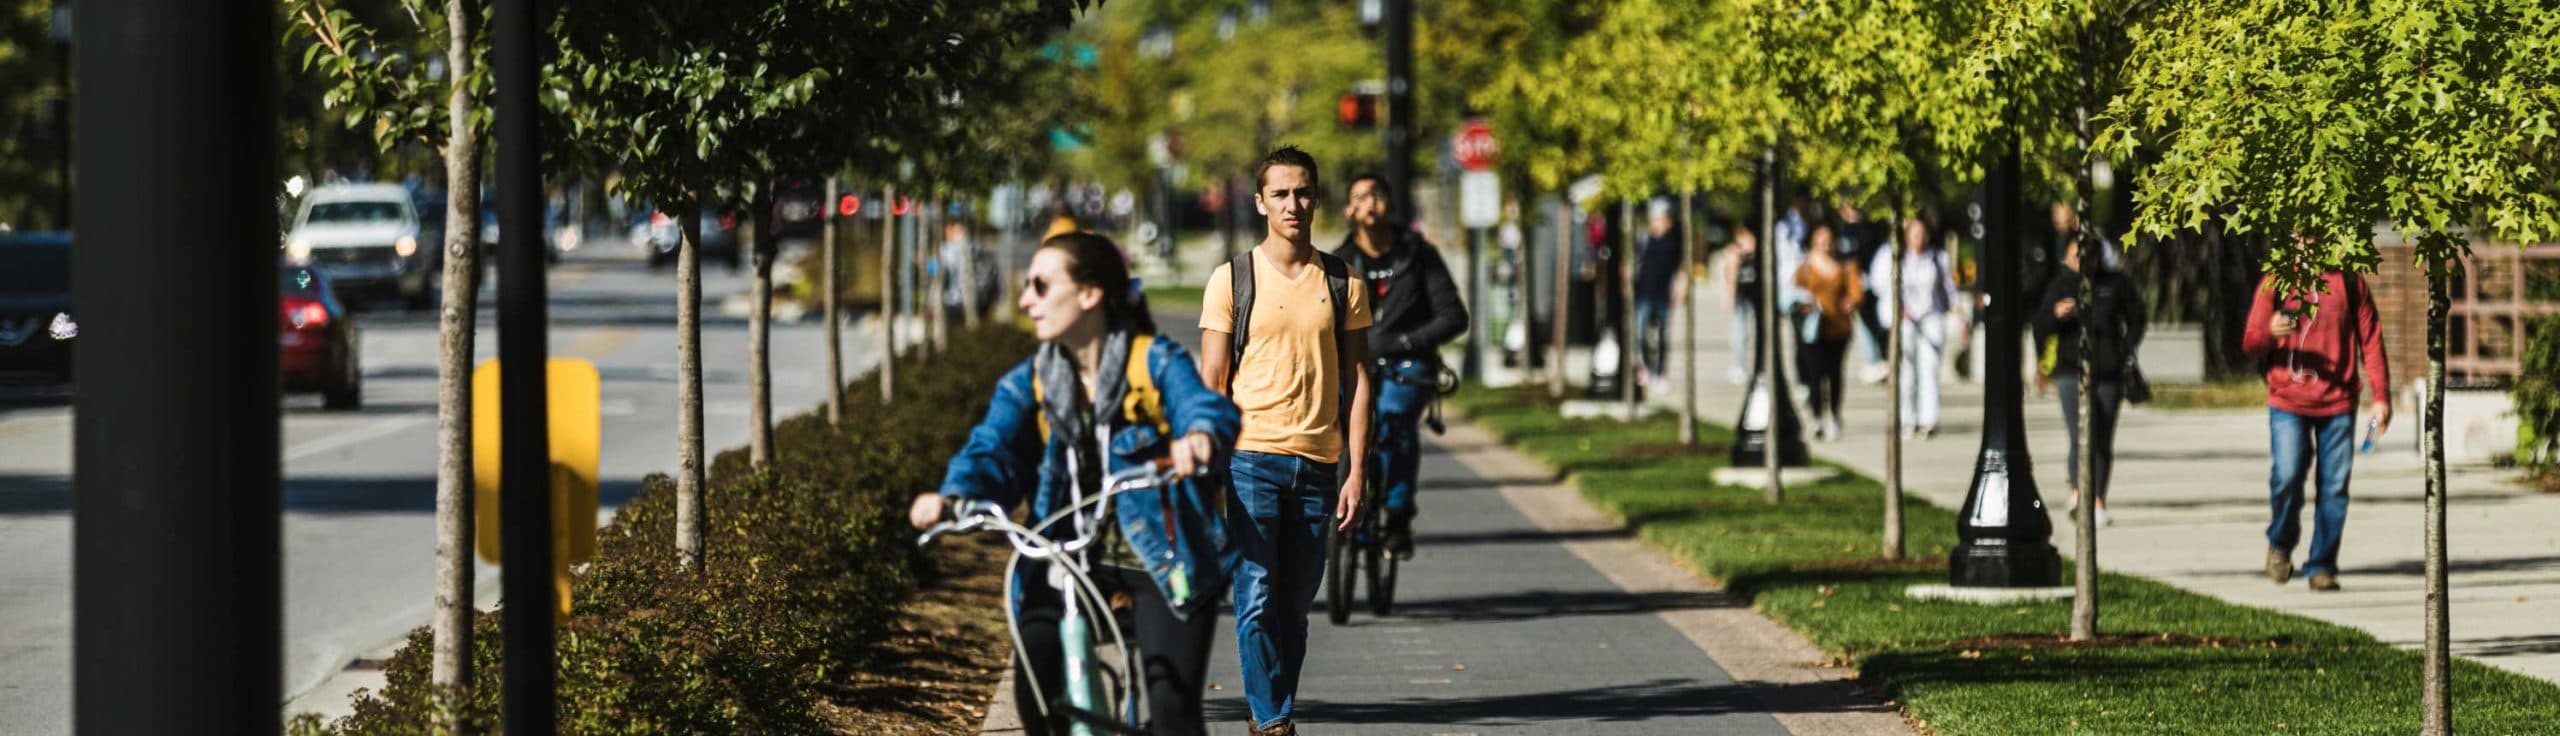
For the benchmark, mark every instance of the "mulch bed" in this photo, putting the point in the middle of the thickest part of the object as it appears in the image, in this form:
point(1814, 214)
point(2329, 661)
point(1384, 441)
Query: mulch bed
point(939, 665)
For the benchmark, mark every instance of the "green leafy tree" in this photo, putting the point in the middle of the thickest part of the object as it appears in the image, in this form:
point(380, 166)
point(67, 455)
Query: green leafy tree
point(2435, 117)
point(389, 80)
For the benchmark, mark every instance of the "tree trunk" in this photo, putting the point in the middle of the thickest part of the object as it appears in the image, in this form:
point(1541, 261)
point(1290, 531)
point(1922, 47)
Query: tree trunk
point(1564, 294)
point(456, 325)
point(1772, 339)
point(888, 294)
point(689, 507)
point(833, 310)
point(2437, 701)
point(1893, 545)
point(2084, 552)
point(760, 336)
point(1688, 323)
point(1623, 293)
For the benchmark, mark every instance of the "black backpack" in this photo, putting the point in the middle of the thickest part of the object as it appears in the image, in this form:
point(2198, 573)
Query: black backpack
point(1337, 282)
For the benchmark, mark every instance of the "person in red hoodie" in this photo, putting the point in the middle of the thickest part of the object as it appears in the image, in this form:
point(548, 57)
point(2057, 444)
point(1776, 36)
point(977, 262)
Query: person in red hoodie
point(2315, 347)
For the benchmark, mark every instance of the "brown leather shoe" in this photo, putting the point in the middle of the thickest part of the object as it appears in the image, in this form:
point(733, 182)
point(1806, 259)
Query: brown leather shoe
point(2279, 566)
point(2324, 582)
point(1281, 727)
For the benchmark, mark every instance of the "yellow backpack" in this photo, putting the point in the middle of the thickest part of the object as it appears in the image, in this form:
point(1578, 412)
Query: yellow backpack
point(1141, 404)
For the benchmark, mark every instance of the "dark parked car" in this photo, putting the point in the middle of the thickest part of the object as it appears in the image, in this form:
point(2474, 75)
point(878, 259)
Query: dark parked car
point(719, 238)
point(799, 208)
point(318, 347)
point(37, 330)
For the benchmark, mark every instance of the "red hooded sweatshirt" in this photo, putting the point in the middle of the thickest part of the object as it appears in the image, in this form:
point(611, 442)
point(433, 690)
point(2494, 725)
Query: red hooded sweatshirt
point(2312, 372)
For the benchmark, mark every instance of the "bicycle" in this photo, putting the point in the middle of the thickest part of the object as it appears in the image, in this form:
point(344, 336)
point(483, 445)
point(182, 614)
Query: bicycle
point(1090, 708)
point(1363, 548)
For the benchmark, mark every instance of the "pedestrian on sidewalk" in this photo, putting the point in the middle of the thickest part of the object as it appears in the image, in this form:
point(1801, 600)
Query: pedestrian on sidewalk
point(1417, 309)
point(1284, 333)
point(1832, 291)
point(1860, 241)
point(1658, 286)
point(1042, 444)
point(1742, 298)
point(2113, 317)
point(1928, 295)
point(2314, 348)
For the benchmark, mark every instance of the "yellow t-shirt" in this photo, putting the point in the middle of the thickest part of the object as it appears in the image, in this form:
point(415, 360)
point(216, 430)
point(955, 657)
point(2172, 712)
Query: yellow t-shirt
point(1289, 383)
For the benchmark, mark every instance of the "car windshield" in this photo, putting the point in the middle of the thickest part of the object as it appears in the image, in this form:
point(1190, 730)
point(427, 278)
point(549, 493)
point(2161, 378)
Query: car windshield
point(299, 281)
point(347, 212)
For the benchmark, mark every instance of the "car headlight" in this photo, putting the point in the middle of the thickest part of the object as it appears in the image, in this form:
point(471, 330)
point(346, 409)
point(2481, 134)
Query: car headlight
point(63, 328)
point(406, 246)
point(297, 250)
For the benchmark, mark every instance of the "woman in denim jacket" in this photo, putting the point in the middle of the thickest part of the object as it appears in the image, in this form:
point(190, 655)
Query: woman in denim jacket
point(1086, 311)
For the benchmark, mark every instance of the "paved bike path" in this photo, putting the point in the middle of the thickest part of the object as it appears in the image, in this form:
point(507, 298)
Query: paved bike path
point(1499, 628)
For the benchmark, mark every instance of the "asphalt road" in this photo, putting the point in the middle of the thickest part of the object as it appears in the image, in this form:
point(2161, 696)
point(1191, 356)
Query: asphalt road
point(359, 486)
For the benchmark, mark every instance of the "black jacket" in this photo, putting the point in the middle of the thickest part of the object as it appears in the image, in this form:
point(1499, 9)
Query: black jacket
point(2117, 309)
point(1413, 301)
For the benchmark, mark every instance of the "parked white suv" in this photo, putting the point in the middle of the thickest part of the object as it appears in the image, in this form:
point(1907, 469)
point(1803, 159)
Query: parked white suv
point(365, 238)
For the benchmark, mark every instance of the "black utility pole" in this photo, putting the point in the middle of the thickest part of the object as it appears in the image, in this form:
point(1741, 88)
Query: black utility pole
point(524, 396)
point(177, 568)
point(1400, 110)
point(2006, 538)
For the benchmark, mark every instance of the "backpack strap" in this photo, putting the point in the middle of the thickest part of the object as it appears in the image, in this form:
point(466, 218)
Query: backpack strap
point(1240, 311)
point(1337, 281)
point(1141, 403)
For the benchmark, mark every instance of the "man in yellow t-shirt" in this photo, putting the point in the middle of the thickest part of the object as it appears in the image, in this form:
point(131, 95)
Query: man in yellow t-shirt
point(1290, 380)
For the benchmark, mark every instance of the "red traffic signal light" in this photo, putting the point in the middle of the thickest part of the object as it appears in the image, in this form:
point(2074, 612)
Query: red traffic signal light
point(848, 205)
point(1357, 111)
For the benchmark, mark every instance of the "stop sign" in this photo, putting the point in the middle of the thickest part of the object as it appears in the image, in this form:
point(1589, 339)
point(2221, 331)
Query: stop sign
point(1473, 145)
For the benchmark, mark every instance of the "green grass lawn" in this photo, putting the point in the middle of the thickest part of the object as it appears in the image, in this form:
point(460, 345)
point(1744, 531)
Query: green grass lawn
point(1813, 564)
point(1174, 298)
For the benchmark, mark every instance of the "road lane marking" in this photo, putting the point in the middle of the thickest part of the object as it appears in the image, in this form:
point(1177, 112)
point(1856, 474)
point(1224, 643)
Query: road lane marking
point(594, 345)
point(377, 430)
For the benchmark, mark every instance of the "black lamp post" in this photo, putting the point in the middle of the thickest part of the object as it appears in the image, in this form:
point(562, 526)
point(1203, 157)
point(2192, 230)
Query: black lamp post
point(1769, 405)
point(2005, 538)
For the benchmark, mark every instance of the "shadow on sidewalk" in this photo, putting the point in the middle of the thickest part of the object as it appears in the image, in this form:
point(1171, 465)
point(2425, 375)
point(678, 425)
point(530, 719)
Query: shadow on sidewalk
point(1428, 540)
point(1663, 698)
point(1547, 604)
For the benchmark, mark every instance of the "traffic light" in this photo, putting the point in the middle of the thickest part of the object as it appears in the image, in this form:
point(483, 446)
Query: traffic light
point(1357, 110)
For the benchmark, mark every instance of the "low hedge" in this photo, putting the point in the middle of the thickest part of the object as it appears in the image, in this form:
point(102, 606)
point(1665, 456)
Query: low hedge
point(804, 567)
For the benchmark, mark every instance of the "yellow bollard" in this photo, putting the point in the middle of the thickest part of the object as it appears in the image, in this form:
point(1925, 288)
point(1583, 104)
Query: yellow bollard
point(577, 429)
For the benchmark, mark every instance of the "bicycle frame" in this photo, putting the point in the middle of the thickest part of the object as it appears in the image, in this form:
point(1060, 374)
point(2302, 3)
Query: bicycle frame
point(1072, 578)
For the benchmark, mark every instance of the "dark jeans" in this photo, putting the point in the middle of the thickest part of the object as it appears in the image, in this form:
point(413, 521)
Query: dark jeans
point(1174, 653)
point(1287, 502)
point(2106, 401)
point(2293, 440)
point(1818, 366)
point(1404, 393)
point(1653, 333)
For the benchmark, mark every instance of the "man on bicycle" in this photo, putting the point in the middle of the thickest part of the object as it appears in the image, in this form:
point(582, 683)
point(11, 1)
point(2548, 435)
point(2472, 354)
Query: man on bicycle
point(1415, 303)
point(1281, 333)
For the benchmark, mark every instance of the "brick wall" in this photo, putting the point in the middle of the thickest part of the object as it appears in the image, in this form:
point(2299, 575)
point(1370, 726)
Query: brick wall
point(2400, 295)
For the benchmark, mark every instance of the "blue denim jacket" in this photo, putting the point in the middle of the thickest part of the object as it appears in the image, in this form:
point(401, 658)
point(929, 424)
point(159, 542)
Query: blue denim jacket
point(1007, 462)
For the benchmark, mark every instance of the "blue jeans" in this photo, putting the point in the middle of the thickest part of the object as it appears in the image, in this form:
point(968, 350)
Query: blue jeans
point(2294, 439)
point(1404, 392)
point(1653, 333)
point(1287, 502)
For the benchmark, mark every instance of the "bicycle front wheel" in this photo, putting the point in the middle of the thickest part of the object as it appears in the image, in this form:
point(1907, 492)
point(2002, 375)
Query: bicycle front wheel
point(1339, 576)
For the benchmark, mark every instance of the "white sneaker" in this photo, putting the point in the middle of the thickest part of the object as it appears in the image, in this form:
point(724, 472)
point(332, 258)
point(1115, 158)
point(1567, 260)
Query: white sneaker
point(2104, 518)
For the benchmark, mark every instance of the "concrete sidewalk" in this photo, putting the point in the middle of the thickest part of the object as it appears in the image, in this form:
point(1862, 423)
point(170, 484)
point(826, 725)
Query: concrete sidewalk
point(2191, 509)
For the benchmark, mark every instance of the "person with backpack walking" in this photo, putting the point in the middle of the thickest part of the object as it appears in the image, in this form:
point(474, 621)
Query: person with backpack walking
point(1284, 331)
point(2112, 310)
point(1416, 309)
point(2314, 348)
point(1104, 394)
